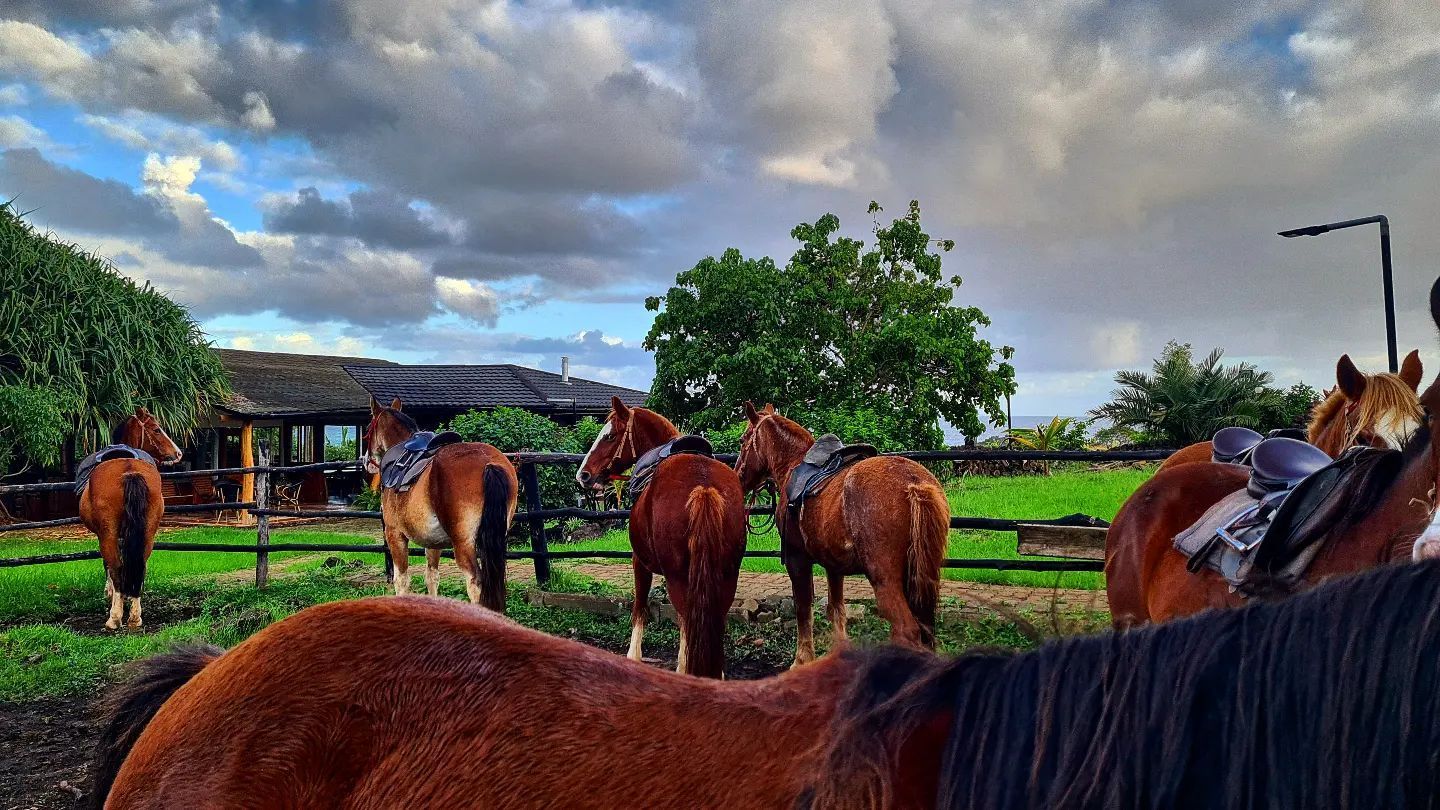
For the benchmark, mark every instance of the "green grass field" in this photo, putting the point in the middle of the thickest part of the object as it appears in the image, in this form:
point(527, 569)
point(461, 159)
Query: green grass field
point(1093, 493)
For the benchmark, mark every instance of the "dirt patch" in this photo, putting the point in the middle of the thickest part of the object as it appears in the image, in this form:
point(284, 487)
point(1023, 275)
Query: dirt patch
point(45, 753)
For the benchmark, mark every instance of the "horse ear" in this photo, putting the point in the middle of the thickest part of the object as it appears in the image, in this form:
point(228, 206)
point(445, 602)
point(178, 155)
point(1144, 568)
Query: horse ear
point(750, 413)
point(1435, 303)
point(395, 403)
point(374, 406)
point(622, 411)
point(1351, 381)
point(769, 409)
point(1411, 371)
point(142, 412)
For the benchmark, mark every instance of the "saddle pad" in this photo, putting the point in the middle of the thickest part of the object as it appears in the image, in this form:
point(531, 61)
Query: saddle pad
point(89, 463)
point(648, 463)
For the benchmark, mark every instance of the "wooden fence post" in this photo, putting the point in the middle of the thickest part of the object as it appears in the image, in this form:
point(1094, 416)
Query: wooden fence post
point(531, 479)
point(262, 526)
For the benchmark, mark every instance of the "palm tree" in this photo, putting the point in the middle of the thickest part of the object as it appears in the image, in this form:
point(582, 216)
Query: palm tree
point(1183, 401)
point(1049, 436)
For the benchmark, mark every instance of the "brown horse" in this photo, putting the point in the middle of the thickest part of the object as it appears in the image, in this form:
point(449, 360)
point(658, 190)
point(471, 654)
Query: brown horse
point(688, 525)
point(885, 517)
point(1376, 410)
point(122, 505)
point(1146, 578)
point(1322, 701)
point(465, 499)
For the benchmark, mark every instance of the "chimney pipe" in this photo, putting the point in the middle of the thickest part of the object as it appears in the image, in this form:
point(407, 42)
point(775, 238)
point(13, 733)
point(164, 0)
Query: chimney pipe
point(565, 369)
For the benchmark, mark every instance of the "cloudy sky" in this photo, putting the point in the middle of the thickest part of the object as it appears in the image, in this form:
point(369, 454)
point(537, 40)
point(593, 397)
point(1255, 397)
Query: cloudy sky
point(459, 181)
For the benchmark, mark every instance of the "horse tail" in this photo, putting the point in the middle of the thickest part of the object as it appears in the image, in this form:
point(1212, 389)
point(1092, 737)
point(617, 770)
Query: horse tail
point(127, 713)
point(134, 532)
point(705, 610)
point(490, 537)
point(929, 527)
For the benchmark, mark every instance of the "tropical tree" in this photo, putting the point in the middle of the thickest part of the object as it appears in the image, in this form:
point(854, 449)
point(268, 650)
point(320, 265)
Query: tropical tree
point(1060, 433)
point(1182, 401)
point(94, 342)
point(870, 340)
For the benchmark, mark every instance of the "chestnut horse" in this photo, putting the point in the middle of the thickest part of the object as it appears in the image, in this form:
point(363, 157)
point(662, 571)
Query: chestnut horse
point(1376, 410)
point(1146, 579)
point(122, 505)
point(885, 517)
point(465, 499)
point(1323, 701)
point(688, 525)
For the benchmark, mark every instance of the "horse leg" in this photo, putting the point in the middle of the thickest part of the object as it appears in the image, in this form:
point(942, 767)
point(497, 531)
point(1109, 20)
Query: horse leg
point(432, 571)
point(135, 620)
point(891, 603)
point(835, 611)
point(802, 585)
point(640, 608)
point(677, 593)
point(400, 556)
point(469, 566)
point(117, 602)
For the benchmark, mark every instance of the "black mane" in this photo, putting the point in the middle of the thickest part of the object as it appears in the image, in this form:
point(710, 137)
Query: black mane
point(1327, 699)
point(405, 419)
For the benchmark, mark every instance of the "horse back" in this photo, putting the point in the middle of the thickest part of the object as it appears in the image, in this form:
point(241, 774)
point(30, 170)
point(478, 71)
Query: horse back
point(450, 489)
point(864, 513)
point(660, 520)
point(1145, 527)
point(421, 702)
point(103, 500)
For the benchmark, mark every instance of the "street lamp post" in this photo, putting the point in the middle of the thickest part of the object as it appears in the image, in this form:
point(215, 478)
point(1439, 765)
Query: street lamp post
point(1316, 230)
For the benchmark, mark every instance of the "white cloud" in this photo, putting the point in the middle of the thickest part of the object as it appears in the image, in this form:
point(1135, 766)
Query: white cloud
point(16, 132)
point(257, 116)
point(469, 299)
point(13, 95)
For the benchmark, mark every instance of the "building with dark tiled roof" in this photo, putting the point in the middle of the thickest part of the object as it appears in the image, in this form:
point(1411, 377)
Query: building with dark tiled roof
point(286, 402)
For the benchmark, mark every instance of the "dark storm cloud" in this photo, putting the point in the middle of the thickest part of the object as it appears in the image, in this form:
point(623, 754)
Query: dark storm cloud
point(67, 198)
point(375, 217)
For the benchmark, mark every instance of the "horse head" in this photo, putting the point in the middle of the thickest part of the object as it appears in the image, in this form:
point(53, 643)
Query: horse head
point(770, 446)
point(1427, 545)
point(627, 435)
point(389, 426)
point(143, 432)
point(1374, 410)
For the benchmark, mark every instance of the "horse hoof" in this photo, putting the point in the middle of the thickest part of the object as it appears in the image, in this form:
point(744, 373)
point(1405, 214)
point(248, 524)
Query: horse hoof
point(112, 625)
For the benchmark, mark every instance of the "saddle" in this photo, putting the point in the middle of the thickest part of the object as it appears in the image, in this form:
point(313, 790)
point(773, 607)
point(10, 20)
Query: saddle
point(1262, 538)
point(114, 451)
point(822, 461)
point(402, 464)
point(646, 465)
point(1232, 445)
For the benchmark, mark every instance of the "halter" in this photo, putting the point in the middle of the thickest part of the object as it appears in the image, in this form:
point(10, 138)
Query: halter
point(754, 434)
point(628, 436)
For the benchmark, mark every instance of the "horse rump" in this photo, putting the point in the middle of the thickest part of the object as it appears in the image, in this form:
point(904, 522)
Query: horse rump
point(128, 711)
point(490, 537)
point(134, 534)
point(711, 554)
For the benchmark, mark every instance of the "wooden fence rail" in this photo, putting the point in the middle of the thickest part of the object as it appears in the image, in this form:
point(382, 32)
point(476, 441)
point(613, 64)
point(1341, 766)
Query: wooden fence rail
point(535, 514)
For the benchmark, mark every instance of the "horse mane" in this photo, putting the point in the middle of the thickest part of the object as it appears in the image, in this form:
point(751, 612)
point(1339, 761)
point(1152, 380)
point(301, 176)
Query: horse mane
point(1387, 401)
point(405, 419)
point(1323, 700)
point(117, 433)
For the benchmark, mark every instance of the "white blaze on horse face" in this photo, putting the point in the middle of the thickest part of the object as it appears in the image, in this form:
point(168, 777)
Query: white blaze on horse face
point(604, 431)
point(1396, 433)
point(1427, 545)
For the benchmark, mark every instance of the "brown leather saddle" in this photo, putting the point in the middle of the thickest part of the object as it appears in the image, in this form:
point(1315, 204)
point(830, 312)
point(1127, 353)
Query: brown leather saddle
point(645, 466)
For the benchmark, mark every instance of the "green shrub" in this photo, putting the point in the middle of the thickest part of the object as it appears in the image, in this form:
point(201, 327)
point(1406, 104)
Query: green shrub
point(32, 426)
point(513, 430)
point(367, 501)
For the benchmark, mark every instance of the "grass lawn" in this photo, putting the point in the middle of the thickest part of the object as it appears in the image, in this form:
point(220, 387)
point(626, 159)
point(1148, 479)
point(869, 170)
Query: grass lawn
point(1066, 492)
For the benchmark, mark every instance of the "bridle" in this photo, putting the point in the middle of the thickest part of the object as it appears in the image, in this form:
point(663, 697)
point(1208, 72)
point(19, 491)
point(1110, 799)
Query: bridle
point(749, 445)
point(627, 437)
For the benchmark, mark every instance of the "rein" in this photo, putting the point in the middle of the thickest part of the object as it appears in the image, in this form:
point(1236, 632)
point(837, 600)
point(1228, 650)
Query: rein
point(767, 522)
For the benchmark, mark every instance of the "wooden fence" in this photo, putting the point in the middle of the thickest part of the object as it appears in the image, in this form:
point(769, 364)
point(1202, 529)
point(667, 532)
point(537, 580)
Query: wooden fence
point(535, 514)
